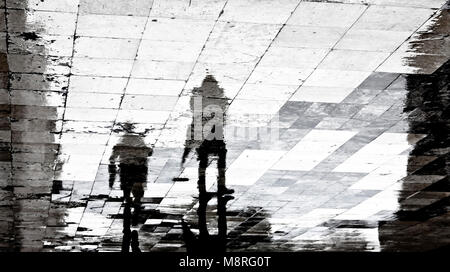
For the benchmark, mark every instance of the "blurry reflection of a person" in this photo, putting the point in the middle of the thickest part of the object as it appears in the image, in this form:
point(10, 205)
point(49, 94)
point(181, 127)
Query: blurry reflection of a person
point(206, 136)
point(131, 154)
point(204, 242)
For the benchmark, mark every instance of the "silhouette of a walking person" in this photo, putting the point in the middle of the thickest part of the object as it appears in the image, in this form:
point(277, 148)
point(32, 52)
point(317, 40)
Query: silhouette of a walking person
point(131, 154)
point(205, 135)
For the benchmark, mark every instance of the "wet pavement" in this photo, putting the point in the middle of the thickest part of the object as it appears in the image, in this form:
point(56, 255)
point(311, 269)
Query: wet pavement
point(239, 125)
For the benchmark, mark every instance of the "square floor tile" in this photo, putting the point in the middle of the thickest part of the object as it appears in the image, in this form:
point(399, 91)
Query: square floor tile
point(93, 100)
point(266, 92)
point(293, 57)
point(391, 18)
point(352, 60)
point(232, 54)
point(155, 87)
point(279, 75)
point(86, 114)
point(149, 102)
point(181, 30)
point(309, 36)
point(196, 9)
point(372, 40)
point(106, 48)
point(336, 78)
point(116, 7)
point(102, 67)
point(240, 33)
point(318, 14)
point(321, 94)
point(169, 51)
point(162, 69)
point(259, 11)
point(87, 84)
point(143, 116)
point(112, 26)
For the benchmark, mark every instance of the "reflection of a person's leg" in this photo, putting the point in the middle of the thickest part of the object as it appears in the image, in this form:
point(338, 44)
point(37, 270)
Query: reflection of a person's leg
point(130, 238)
point(222, 218)
point(221, 167)
point(204, 196)
point(203, 163)
point(112, 170)
point(188, 237)
point(125, 183)
point(135, 241)
point(138, 193)
point(222, 200)
point(223, 196)
point(201, 212)
point(126, 228)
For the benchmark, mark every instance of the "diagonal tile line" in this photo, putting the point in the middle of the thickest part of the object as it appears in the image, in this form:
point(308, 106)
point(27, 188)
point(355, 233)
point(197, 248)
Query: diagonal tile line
point(193, 67)
point(192, 71)
point(129, 77)
point(67, 93)
point(187, 80)
point(267, 49)
point(69, 77)
point(262, 56)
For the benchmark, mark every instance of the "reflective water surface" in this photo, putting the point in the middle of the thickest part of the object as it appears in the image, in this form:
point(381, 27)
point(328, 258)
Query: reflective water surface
point(224, 125)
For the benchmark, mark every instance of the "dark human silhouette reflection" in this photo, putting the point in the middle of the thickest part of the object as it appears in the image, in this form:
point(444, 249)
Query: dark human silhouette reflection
point(204, 242)
point(131, 154)
point(206, 136)
point(424, 203)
